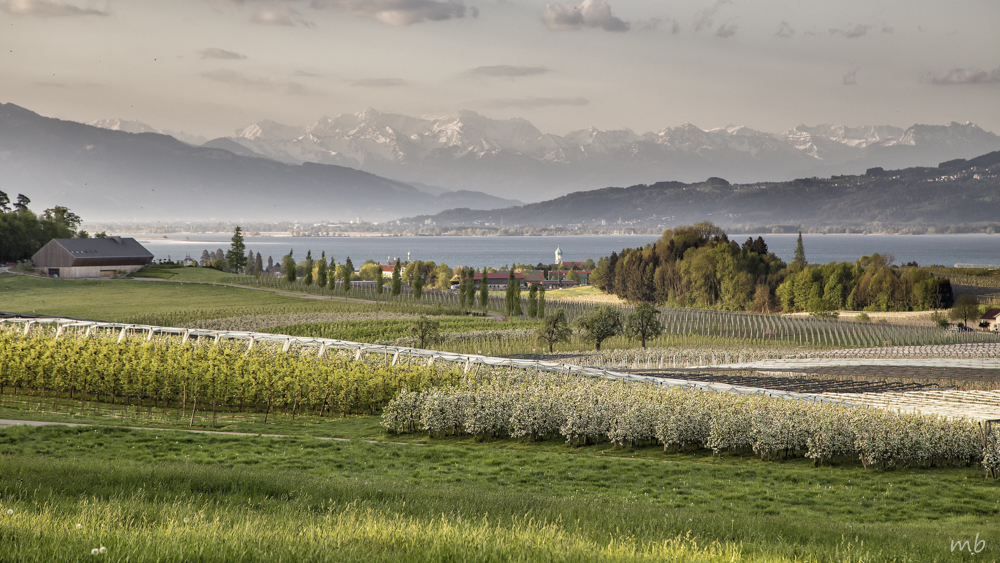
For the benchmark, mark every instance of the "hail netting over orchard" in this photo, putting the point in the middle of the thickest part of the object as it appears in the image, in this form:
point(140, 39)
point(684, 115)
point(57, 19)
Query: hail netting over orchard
point(54, 330)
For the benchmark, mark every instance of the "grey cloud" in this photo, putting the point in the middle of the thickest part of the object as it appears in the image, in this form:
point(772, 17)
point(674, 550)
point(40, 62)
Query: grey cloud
point(254, 84)
point(216, 53)
point(380, 82)
point(726, 30)
point(850, 79)
point(46, 9)
point(653, 24)
point(398, 12)
point(535, 103)
point(506, 71)
point(887, 29)
point(705, 19)
point(785, 30)
point(967, 75)
point(589, 13)
point(852, 32)
point(307, 74)
point(279, 14)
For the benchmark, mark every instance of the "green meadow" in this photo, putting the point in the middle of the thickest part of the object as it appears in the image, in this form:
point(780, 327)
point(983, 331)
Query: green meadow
point(169, 495)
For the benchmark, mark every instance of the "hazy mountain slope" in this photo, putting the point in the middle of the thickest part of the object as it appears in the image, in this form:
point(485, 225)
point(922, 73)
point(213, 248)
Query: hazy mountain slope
point(955, 192)
point(103, 174)
point(512, 158)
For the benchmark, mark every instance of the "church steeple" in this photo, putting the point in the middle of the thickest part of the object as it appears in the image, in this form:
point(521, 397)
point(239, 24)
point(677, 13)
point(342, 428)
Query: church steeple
point(558, 255)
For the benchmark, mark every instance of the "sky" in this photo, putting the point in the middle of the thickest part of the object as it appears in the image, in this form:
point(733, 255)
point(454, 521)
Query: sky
point(209, 67)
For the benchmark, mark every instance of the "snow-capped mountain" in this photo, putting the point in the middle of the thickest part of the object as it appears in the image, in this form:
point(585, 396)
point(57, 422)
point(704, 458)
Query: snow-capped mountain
point(132, 126)
point(512, 158)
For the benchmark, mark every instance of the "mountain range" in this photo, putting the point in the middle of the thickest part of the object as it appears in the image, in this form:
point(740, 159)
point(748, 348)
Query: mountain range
point(951, 194)
point(512, 158)
point(104, 174)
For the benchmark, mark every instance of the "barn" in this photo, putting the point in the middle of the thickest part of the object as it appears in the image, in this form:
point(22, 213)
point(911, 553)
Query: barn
point(91, 257)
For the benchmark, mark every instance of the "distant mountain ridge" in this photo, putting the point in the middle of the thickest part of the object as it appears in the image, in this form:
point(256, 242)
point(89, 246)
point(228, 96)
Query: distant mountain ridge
point(107, 173)
point(512, 158)
point(953, 193)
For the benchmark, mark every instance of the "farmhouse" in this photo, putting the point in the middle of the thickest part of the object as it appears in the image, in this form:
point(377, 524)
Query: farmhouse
point(91, 257)
point(990, 319)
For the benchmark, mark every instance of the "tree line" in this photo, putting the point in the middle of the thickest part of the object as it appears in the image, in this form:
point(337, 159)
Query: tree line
point(23, 233)
point(698, 266)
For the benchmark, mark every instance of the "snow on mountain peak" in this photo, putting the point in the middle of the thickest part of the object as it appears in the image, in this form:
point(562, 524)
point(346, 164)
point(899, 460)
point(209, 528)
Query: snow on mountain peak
point(126, 125)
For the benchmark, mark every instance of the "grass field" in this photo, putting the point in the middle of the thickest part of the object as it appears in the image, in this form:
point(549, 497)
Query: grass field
point(181, 274)
point(150, 302)
point(177, 496)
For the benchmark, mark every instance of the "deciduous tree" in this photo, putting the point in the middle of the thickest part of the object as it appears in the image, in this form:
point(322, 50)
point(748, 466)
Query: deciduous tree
point(601, 323)
point(643, 323)
point(554, 329)
point(426, 331)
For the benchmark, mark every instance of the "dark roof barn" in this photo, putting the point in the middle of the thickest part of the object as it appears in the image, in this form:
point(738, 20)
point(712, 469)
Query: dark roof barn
point(79, 252)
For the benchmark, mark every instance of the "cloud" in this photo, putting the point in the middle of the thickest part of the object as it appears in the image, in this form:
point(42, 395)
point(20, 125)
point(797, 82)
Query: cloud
point(968, 75)
point(279, 14)
point(254, 84)
point(535, 103)
point(379, 82)
point(726, 30)
point(705, 19)
point(785, 30)
point(399, 12)
point(46, 9)
point(589, 13)
point(887, 29)
point(852, 32)
point(215, 53)
point(652, 24)
point(506, 71)
point(850, 79)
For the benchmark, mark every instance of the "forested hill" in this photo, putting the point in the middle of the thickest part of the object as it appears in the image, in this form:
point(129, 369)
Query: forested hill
point(953, 193)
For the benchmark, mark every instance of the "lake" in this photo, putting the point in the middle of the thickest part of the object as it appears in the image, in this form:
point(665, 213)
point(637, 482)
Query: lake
point(946, 250)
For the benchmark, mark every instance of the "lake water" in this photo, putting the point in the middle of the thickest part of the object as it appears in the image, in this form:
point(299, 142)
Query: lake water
point(945, 250)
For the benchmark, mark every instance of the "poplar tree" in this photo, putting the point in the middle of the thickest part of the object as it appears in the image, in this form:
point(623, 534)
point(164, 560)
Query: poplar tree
point(288, 266)
point(509, 296)
point(258, 265)
point(518, 311)
point(348, 273)
point(471, 289)
point(463, 293)
point(380, 282)
point(484, 291)
point(308, 279)
point(321, 271)
point(418, 284)
point(533, 301)
point(799, 260)
point(397, 280)
point(541, 302)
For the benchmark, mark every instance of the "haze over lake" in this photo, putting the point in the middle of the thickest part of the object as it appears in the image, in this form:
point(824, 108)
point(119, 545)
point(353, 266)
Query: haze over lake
point(945, 250)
